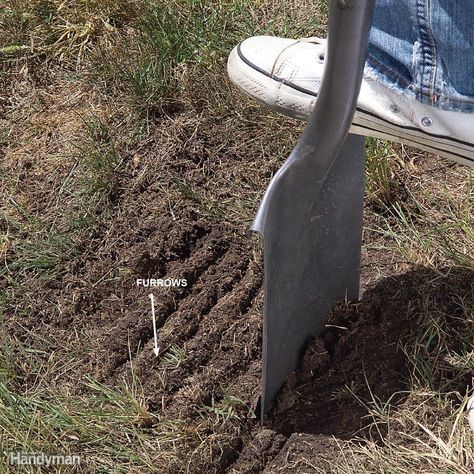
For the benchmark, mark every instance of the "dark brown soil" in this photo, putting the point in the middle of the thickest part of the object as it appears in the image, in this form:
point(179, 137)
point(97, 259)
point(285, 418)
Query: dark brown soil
point(359, 351)
point(304, 453)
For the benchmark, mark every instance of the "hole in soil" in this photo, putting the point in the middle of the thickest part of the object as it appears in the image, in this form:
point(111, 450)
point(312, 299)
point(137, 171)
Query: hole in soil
point(359, 358)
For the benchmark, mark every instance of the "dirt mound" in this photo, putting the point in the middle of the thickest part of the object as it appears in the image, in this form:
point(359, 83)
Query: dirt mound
point(358, 355)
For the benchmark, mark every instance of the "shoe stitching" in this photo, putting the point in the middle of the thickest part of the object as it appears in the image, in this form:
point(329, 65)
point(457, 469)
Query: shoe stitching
point(282, 65)
point(278, 69)
point(415, 129)
point(312, 40)
point(390, 131)
point(442, 151)
point(388, 71)
point(417, 132)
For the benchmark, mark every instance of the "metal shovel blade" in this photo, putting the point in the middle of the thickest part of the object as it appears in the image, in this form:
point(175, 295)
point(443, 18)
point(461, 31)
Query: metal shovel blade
point(311, 214)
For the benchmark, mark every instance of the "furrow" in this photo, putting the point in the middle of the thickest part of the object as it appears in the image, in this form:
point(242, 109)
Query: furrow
point(133, 330)
point(183, 323)
point(220, 350)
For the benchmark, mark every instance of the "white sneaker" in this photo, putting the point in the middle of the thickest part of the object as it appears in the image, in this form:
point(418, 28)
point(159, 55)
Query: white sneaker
point(285, 75)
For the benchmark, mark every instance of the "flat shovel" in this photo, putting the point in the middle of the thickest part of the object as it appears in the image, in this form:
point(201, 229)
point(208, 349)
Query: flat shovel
point(311, 214)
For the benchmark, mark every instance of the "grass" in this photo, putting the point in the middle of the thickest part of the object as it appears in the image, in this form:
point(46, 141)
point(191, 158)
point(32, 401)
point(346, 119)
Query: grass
point(144, 67)
point(60, 30)
point(110, 429)
point(227, 408)
point(175, 356)
point(132, 63)
point(41, 251)
point(429, 431)
point(433, 242)
point(382, 172)
point(150, 81)
point(101, 159)
point(414, 442)
point(426, 430)
point(428, 223)
point(174, 43)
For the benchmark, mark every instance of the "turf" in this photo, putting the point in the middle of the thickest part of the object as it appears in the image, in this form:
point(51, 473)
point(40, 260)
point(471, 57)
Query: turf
point(125, 154)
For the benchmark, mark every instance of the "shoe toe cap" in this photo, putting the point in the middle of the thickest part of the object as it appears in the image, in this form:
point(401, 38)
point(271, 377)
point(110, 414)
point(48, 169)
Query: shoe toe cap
point(263, 51)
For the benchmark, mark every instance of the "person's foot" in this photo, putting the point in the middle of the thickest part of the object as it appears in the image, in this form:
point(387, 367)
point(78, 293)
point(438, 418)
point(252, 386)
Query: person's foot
point(285, 75)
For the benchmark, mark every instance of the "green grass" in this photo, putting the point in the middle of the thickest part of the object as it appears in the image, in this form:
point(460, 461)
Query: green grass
point(45, 256)
point(382, 181)
point(111, 429)
point(173, 43)
point(99, 155)
point(227, 408)
point(175, 356)
point(434, 230)
point(37, 250)
point(39, 244)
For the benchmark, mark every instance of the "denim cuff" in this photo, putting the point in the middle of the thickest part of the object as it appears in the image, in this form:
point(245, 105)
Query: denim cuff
point(422, 48)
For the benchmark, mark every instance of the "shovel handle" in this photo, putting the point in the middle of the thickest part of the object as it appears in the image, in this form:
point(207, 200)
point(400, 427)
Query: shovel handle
point(328, 126)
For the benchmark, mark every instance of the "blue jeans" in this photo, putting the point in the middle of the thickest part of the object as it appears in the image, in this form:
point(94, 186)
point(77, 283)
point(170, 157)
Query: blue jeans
point(425, 49)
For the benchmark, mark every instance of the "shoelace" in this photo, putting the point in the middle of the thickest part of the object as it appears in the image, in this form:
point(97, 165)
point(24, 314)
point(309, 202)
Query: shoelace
point(310, 39)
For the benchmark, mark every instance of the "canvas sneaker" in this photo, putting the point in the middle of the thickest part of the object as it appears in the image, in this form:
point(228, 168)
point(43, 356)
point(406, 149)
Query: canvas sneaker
point(285, 74)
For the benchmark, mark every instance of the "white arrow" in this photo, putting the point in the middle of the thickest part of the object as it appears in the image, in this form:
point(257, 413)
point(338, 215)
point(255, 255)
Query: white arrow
point(156, 349)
